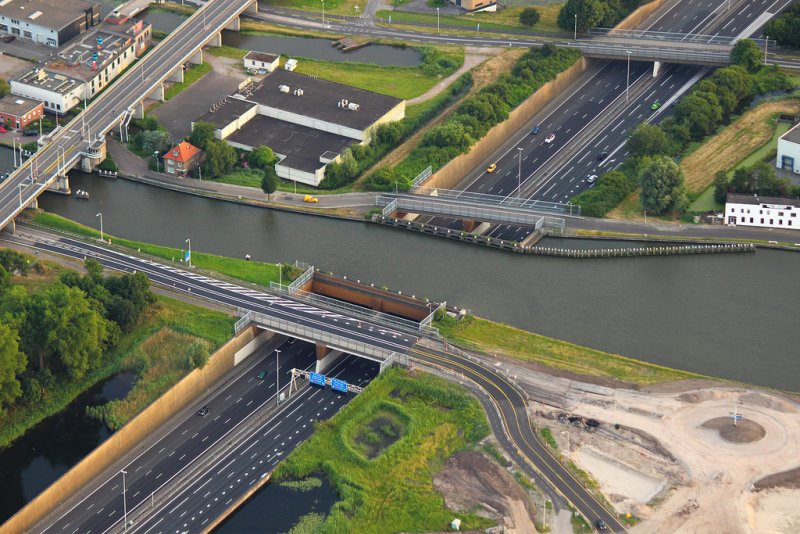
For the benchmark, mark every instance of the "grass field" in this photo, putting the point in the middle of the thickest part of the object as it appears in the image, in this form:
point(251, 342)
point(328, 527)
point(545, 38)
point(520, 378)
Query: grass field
point(249, 271)
point(393, 492)
point(334, 7)
point(226, 51)
point(506, 19)
point(499, 339)
point(190, 75)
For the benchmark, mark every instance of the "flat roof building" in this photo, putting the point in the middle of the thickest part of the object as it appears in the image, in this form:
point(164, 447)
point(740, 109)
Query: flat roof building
point(17, 112)
point(48, 22)
point(260, 61)
point(306, 121)
point(764, 212)
point(789, 150)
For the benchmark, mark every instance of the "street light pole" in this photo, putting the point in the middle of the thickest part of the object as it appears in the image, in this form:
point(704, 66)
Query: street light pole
point(437, 20)
point(124, 502)
point(519, 174)
point(575, 35)
point(189, 242)
point(323, 12)
point(277, 378)
point(628, 76)
point(101, 225)
point(14, 150)
point(766, 45)
point(155, 155)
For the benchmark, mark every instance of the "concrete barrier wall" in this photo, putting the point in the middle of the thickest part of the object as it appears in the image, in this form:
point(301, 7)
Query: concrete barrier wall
point(451, 174)
point(131, 435)
point(632, 21)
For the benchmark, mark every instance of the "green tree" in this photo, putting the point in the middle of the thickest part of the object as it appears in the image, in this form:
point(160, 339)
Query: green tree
point(12, 363)
point(5, 279)
point(648, 140)
point(202, 134)
point(220, 158)
point(4, 88)
point(662, 186)
point(529, 16)
point(700, 112)
point(197, 355)
point(269, 183)
point(747, 54)
point(591, 13)
point(783, 28)
point(720, 187)
point(261, 158)
point(14, 262)
point(156, 140)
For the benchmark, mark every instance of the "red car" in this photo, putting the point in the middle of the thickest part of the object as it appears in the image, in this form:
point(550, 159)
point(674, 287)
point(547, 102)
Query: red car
point(2, 129)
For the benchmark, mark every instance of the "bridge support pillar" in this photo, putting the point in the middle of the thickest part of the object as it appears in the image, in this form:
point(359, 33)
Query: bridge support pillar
point(656, 68)
point(138, 110)
point(197, 58)
point(252, 8)
point(176, 75)
point(10, 228)
point(61, 185)
point(158, 93)
point(33, 204)
point(325, 362)
point(215, 40)
point(235, 25)
point(469, 225)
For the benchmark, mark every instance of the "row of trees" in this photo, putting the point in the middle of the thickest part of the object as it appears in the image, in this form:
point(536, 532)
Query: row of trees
point(63, 331)
point(758, 179)
point(785, 28)
point(593, 13)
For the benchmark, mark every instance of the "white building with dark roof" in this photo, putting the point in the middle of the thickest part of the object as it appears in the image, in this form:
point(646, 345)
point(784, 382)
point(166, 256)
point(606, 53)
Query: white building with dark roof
point(789, 150)
point(764, 212)
point(48, 22)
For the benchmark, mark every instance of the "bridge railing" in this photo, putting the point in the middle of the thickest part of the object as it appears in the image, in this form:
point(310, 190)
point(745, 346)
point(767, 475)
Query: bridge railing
point(307, 275)
point(421, 177)
point(466, 209)
point(667, 55)
point(614, 33)
point(333, 341)
point(499, 200)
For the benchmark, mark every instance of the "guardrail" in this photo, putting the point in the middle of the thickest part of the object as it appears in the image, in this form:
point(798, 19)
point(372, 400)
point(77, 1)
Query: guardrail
point(499, 200)
point(307, 275)
point(650, 35)
point(421, 177)
point(666, 55)
point(463, 210)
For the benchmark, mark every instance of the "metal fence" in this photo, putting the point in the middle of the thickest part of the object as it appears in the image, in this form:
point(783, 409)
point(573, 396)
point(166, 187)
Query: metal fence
point(421, 177)
point(307, 275)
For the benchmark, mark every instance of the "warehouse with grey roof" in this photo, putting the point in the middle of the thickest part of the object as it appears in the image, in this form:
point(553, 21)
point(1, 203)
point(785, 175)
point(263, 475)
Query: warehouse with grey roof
point(49, 22)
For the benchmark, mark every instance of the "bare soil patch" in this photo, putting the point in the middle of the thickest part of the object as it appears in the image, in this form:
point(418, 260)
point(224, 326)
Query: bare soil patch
point(723, 151)
point(785, 479)
point(470, 481)
point(745, 431)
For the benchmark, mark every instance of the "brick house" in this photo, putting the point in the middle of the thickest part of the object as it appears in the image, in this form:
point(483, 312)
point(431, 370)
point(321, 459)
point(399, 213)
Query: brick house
point(182, 160)
point(17, 112)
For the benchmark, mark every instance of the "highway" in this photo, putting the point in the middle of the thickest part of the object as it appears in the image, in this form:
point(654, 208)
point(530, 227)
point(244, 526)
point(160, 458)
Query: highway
point(75, 138)
point(152, 468)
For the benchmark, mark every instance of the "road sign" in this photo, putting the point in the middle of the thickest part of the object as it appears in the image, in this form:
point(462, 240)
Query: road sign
point(338, 385)
point(317, 379)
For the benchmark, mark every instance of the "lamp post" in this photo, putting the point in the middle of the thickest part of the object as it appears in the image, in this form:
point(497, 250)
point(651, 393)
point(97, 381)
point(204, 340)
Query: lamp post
point(628, 76)
point(575, 34)
point(155, 155)
point(519, 173)
point(766, 45)
point(101, 225)
point(189, 242)
point(323, 12)
point(19, 144)
point(124, 502)
point(21, 186)
point(14, 150)
point(437, 20)
point(277, 378)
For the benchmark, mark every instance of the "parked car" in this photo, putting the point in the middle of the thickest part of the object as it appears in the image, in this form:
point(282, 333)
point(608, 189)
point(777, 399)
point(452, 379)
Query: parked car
point(536, 129)
point(30, 133)
point(655, 105)
point(311, 199)
point(204, 411)
point(491, 168)
point(8, 38)
point(591, 178)
point(3, 129)
point(550, 138)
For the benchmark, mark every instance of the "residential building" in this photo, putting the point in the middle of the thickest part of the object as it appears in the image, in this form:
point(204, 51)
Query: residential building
point(789, 150)
point(476, 5)
point(182, 160)
point(306, 121)
point(765, 212)
point(85, 68)
point(17, 112)
point(48, 22)
point(259, 61)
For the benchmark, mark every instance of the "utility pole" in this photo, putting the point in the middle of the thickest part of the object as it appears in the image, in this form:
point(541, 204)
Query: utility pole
point(519, 174)
point(277, 378)
point(124, 502)
point(437, 20)
point(14, 150)
point(101, 226)
point(766, 46)
point(575, 34)
point(628, 76)
point(323, 12)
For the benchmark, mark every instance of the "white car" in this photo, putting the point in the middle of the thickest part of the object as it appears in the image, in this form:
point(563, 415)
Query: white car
point(591, 178)
point(550, 138)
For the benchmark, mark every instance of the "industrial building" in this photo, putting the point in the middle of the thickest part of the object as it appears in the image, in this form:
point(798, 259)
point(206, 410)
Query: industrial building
point(764, 212)
point(306, 121)
point(84, 68)
point(48, 22)
point(789, 150)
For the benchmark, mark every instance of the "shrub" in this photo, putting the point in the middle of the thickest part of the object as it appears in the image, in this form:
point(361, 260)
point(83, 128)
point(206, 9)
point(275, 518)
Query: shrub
point(529, 16)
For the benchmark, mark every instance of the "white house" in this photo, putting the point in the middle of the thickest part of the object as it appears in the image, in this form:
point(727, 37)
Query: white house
point(260, 61)
point(789, 150)
point(764, 212)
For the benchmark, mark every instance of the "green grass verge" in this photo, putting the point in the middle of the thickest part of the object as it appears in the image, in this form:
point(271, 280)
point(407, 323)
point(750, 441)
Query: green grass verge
point(500, 339)
point(705, 202)
point(227, 51)
point(393, 492)
point(249, 271)
point(246, 177)
point(192, 321)
point(547, 437)
point(190, 75)
point(332, 7)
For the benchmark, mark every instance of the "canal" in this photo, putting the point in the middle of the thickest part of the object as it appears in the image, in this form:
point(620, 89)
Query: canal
point(723, 315)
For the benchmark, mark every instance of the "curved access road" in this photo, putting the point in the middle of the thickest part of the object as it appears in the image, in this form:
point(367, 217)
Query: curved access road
point(514, 424)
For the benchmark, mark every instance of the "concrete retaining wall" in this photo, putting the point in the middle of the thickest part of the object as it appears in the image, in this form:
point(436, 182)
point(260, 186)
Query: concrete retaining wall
point(451, 174)
point(131, 435)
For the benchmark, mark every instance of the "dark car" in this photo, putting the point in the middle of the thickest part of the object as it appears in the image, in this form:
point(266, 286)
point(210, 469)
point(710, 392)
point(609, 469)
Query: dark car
point(8, 38)
point(203, 411)
point(30, 133)
point(601, 156)
point(536, 130)
point(601, 525)
point(262, 374)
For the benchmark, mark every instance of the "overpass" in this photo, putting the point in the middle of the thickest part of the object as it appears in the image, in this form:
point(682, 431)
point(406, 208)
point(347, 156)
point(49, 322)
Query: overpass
point(82, 141)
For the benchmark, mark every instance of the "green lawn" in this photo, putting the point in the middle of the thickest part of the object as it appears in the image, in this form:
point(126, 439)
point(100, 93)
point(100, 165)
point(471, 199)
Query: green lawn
point(337, 7)
point(227, 51)
point(429, 420)
point(495, 338)
point(506, 20)
point(190, 75)
point(705, 202)
point(249, 271)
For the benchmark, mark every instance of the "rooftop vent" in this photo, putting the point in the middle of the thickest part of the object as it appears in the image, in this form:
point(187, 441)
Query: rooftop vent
point(284, 88)
point(298, 92)
point(352, 106)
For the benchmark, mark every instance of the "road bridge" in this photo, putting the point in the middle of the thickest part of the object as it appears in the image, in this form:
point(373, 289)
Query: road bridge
point(82, 141)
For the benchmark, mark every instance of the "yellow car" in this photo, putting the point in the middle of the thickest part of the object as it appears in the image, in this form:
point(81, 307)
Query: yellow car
point(491, 168)
point(309, 198)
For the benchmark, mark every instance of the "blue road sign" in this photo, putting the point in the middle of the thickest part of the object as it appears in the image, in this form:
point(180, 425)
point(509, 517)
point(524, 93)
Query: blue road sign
point(317, 379)
point(338, 385)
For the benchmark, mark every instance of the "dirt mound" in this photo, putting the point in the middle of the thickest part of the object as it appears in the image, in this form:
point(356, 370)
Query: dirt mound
point(768, 401)
point(703, 395)
point(745, 431)
point(784, 479)
point(469, 480)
